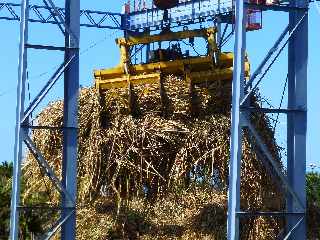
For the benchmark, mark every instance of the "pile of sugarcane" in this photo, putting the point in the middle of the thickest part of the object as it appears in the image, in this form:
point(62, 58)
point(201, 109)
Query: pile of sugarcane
point(154, 163)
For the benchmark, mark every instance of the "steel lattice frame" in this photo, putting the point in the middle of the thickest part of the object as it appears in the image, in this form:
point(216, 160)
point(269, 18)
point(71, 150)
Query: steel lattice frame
point(68, 20)
point(48, 14)
point(296, 36)
point(70, 26)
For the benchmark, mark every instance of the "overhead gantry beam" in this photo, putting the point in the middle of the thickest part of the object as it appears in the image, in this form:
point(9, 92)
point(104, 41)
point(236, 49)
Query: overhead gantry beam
point(48, 14)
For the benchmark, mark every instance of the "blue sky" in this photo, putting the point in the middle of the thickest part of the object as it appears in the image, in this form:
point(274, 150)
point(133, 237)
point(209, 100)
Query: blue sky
point(105, 54)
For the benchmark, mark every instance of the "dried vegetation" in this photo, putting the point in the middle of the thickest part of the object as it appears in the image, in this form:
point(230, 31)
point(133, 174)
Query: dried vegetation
point(161, 170)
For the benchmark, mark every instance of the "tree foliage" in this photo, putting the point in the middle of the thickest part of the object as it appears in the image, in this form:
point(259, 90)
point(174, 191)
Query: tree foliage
point(313, 213)
point(5, 190)
point(313, 187)
point(29, 222)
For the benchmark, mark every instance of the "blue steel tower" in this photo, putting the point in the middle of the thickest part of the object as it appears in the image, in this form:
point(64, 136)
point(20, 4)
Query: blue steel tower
point(70, 28)
point(295, 35)
point(69, 20)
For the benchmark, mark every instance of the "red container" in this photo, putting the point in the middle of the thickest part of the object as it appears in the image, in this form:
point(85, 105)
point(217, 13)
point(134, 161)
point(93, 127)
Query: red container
point(165, 4)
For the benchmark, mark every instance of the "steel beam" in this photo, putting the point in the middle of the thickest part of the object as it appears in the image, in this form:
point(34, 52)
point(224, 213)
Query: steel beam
point(47, 14)
point(236, 123)
point(43, 164)
point(275, 166)
point(271, 110)
point(297, 121)
point(70, 119)
point(62, 220)
point(269, 214)
point(290, 125)
point(291, 232)
point(277, 7)
point(19, 131)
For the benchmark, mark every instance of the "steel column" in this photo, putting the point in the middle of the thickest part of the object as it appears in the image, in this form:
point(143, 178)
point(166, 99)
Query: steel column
point(70, 121)
point(19, 131)
point(290, 123)
point(67, 187)
point(236, 123)
point(297, 121)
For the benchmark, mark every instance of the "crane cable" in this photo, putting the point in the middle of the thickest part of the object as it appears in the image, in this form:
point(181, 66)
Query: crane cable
point(281, 102)
point(90, 47)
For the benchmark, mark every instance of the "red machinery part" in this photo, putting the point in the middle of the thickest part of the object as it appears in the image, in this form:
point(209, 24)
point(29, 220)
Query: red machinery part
point(254, 16)
point(254, 20)
point(165, 4)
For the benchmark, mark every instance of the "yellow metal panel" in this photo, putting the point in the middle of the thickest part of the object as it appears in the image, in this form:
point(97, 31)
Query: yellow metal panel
point(109, 72)
point(174, 67)
point(123, 82)
point(207, 76)
point(145, 79)
point(167, 36)
point(199, 69)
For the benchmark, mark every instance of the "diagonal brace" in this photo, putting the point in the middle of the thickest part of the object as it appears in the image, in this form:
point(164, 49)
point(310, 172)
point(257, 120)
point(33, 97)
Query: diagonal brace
point(61, 18)
point(103, 19)
point(38, 13)
point(46, 167)
point(44, 91)
point(53, 15)
point(293, 229)
point(12, 12)
point(252, 90)
point(263, 160)
point(273, 49)
point(56, 226)
point(269, 156)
